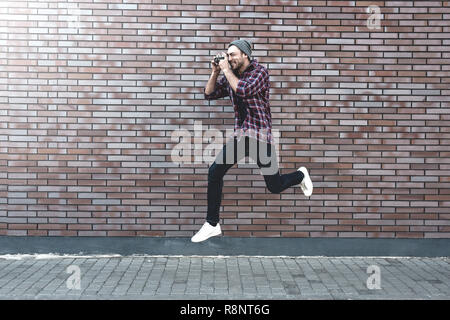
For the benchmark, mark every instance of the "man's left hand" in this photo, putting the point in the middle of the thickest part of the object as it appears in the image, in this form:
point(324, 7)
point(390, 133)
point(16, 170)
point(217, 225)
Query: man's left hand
point(224, 64)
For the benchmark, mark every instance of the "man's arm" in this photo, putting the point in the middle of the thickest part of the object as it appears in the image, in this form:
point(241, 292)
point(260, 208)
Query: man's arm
point(232, 79)
point(257, 81)
point(216, 89)
point(228, 73)
point(211, 85)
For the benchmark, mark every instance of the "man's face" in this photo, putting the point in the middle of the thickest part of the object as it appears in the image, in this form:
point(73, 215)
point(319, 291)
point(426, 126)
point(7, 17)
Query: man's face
point(236, 58)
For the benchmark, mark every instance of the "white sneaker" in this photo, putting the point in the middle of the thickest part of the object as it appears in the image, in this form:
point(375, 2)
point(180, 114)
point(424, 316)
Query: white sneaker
point(206, 232)
point(306, 184)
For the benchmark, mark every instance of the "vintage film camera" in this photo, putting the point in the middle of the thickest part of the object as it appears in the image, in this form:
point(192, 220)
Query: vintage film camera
point(217, 59)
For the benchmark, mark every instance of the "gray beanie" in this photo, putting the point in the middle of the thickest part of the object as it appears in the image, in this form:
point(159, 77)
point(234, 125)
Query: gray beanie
point(244, 46)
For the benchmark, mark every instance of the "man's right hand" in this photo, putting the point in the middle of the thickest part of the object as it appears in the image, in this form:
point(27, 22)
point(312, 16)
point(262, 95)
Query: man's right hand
point(215, 67)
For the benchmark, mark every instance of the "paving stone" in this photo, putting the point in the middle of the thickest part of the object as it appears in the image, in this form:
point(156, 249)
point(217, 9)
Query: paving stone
point(241, 277)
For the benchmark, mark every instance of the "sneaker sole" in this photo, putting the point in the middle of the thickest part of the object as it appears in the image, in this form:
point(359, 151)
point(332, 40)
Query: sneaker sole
point(209, 236)
point(305, 190)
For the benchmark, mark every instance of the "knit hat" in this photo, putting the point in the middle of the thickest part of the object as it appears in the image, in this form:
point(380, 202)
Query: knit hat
point(244, 46)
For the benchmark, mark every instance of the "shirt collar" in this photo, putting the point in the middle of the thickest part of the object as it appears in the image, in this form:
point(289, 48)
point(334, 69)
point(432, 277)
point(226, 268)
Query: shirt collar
point(250, 67)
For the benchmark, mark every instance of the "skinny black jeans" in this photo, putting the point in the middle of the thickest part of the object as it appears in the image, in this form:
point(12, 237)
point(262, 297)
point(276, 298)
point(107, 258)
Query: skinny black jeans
point(264, 154)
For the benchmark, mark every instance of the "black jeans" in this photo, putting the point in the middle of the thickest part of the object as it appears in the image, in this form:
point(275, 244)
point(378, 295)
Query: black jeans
point(265, 156)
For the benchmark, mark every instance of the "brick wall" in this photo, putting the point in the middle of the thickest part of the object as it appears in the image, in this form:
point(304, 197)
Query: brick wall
point(91, 93)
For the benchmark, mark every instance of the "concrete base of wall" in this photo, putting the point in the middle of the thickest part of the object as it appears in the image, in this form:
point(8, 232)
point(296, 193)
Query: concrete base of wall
point(226, 246)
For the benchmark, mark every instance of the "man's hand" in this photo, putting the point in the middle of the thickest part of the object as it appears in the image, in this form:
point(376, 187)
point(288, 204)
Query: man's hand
point(215, 67)
point(224, 64)
point(215, 71)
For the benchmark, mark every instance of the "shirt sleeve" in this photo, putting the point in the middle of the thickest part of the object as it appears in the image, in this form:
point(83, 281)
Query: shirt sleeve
point(220, 91)
point(256, 82)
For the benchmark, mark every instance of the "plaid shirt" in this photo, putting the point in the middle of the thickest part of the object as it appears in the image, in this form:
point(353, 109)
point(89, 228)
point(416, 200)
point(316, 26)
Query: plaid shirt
point(250, 102)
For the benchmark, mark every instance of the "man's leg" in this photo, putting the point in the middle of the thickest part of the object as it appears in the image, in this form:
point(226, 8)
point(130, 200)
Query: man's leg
point(231, 153)
point(277, 183)
point(216, 173)
point(267, 162)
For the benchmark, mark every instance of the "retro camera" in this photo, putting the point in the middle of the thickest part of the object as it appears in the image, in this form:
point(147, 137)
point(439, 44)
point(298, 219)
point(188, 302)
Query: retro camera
point(217, 59)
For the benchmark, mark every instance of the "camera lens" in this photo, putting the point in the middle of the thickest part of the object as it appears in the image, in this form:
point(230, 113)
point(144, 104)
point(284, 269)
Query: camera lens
point(217, 59)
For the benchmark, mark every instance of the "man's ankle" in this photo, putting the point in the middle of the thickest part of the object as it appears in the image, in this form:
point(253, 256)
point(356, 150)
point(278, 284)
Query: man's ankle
point(212, 223)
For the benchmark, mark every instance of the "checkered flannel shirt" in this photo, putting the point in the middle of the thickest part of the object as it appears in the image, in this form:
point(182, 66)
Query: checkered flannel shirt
point(250, 102)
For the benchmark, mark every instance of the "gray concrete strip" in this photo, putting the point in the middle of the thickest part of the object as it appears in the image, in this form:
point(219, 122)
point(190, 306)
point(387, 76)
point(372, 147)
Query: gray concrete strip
point(227, 246)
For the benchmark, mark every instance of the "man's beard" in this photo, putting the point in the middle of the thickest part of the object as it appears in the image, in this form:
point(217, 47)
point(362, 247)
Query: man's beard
point(237, 66)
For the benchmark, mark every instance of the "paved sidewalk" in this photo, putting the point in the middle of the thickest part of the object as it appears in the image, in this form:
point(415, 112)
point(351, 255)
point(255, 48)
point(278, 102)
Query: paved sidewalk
point(222, 277)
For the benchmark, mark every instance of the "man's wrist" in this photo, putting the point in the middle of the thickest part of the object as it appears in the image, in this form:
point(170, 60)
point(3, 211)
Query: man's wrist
point(232, 79)
point(226, 71)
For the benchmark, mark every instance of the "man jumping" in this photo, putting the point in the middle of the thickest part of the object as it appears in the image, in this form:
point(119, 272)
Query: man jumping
point(247, 83)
